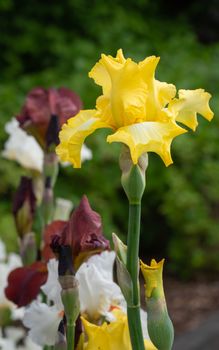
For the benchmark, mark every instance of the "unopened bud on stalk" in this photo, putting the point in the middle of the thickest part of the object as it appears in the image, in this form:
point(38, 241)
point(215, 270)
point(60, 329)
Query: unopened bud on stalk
point(28, 249)
point(24, 206)
point(123, 276)
point(70, 297)
point(160, 327)
point(133, 175)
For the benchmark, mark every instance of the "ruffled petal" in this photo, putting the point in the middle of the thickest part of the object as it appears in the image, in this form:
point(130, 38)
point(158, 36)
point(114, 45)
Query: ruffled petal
point(73, 134)
point(100, 74)
point(148, 137)
point(111, 336)
point(165, 92)
point(43, 322)
point(159, 93)
point(127, 101)
point(189, 103)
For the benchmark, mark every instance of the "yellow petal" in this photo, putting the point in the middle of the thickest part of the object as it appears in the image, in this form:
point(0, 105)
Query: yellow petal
point(159, 93)
point(73, 134)
point(101, 76)
point(148, 137)
point(110, 336)
point(153, 276)
point(190, 103)
point(165, 92)
point(128, 94)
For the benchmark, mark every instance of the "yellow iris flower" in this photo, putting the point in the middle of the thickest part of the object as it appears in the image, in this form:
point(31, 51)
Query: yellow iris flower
point(109, 336)
point(141, 111)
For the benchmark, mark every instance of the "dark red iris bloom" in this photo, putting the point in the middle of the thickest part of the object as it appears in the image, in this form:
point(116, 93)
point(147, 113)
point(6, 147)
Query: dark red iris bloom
point(24, 205)
point(24, 283)
point(83, 233)
point(42, 105)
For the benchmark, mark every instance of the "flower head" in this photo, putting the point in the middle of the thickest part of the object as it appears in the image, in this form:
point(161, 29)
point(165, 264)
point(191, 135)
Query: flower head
point(141, 111)
point(82, 232)
point(43, 104)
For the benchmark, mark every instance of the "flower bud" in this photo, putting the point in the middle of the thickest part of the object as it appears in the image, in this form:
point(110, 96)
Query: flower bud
point(160, 327)
point(70, 297)
point(24, 206)
point(28, 249)
point(120, 248)
point(133, 176)
point(123, 276)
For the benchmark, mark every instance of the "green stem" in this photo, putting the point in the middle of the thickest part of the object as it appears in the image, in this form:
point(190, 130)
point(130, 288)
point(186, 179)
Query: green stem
point(133, 311)
point(70, 335)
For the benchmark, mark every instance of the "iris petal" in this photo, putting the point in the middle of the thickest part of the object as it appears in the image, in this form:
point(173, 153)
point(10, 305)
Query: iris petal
point(73, 134)
point(189, 103)
point(148, 137)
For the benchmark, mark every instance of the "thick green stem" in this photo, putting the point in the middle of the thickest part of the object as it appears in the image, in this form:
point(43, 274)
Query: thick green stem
point(133, 311)
point(70, 335)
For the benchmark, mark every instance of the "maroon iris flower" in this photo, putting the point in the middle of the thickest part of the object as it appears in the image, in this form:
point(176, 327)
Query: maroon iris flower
point(84, 233)
point(42, 105)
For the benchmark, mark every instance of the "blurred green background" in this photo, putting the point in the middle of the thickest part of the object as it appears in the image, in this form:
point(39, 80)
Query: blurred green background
point(55, 44)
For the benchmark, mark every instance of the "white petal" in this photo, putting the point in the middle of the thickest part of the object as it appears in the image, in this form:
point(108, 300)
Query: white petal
point(97, 291)
point(29, 345)
point(5, 268)
point(63, 208)
point(52, 287)
point(43, 322)
point(22, 147)
point(7, 344)
point(86, 153)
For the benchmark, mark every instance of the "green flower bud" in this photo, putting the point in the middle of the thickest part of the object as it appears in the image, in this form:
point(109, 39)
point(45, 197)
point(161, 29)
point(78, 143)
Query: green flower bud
point(70, 297)
point(133, 176)
point(120, 248)
point(28, 249)
point(123, 276)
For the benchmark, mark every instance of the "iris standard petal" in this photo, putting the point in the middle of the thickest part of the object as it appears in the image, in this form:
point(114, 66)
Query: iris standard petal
point(73, 134)
point(126, 102)
point(148, 137)
point(189, 103)
point(159, 93)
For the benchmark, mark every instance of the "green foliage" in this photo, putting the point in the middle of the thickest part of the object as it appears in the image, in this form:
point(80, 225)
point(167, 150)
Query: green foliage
point(53, 44)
